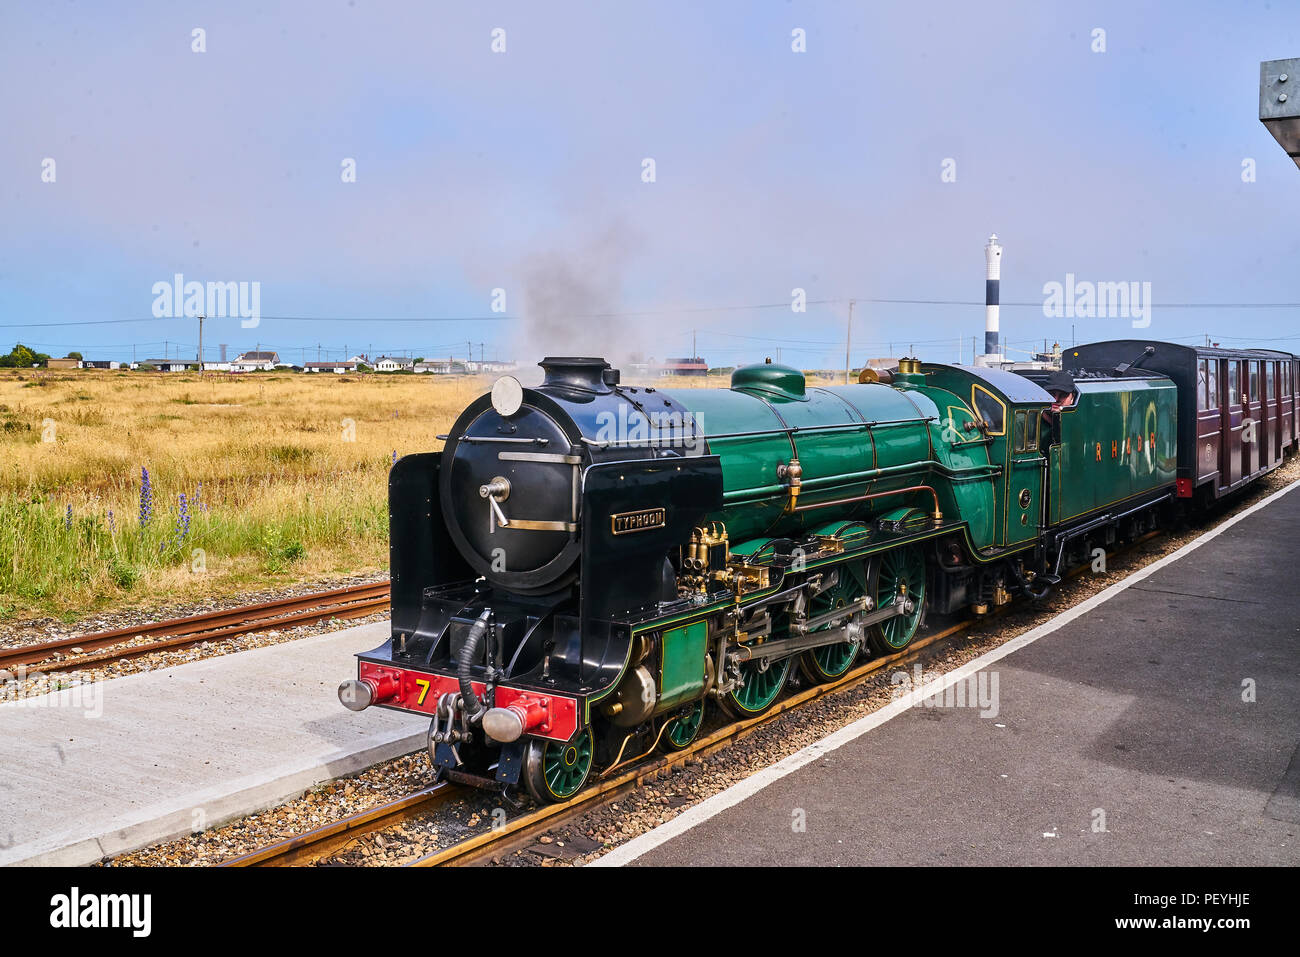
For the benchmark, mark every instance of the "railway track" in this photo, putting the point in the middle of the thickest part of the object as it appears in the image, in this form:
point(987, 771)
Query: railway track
point(354, 601)
point(325, 842)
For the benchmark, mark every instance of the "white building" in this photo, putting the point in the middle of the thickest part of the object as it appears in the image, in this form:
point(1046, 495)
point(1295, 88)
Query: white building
point(255, 362)
point(166, 365)
point(390, 364)
point(337, 366)
point(440, 366)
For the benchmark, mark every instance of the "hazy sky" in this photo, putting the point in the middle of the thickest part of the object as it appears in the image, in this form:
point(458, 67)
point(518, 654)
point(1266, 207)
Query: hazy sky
point(523, 170)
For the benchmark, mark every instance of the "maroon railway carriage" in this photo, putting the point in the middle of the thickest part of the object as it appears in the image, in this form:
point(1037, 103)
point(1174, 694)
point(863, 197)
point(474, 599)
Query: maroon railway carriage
point(1237, 408)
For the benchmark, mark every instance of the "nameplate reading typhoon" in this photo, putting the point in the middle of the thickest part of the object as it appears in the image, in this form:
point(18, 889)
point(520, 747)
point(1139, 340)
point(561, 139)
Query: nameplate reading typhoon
point(624, 523)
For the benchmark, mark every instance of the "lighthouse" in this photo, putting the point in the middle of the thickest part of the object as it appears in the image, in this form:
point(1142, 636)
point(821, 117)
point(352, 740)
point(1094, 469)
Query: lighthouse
point(992, 279)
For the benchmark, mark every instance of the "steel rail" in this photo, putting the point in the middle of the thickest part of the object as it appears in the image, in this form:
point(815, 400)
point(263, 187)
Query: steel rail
point(327, 840)
point(351, 602)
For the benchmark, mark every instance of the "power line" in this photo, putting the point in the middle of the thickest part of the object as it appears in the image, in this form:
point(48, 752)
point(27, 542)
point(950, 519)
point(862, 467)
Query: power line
point(111, 322)
point(1035, 304)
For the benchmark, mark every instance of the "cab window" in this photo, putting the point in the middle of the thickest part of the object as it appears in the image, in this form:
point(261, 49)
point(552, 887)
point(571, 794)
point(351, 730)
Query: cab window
point(1025, 431)
point(991, 410)
point(1202, 384)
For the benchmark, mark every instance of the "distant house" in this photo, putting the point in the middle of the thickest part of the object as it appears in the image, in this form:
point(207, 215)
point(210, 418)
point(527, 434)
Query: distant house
point(216, 366)
point(53, 363)
point(100, 364)
point(165, 365)
point(497, 365)
point(255, 362)
point(390, 364)
point(692, 365)
point(339, 366)
point(440, 366)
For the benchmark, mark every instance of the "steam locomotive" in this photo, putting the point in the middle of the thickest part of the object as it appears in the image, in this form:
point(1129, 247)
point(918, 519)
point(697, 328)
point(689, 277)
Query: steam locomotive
point(585, 565)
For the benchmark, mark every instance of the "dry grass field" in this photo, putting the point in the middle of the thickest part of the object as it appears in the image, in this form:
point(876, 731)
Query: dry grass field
point(128, 488)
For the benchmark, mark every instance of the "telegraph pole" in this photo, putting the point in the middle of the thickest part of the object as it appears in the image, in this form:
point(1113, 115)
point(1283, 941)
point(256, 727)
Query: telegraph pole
point(200, 345)
point(848, 343)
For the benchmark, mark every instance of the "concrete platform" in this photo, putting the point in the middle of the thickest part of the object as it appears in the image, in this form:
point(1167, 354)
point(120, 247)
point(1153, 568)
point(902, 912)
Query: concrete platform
point(1120, 737)
point(111, 767)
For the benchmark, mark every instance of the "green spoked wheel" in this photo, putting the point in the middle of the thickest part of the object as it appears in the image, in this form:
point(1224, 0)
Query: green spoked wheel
point(897, 573)
point(683, 729)
point(761, 687)
point(831, 661)
point(555, 771)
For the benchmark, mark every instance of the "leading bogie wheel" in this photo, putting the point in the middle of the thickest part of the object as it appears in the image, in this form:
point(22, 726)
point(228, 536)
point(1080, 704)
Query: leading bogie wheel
point(555, 771)
point(897, 575)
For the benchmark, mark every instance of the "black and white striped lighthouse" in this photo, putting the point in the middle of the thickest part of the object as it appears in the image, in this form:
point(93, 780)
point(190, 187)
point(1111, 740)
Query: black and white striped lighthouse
point(993, 277)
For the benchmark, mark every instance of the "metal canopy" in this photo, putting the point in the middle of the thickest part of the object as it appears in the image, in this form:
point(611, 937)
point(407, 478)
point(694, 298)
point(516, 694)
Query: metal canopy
point(1279, 103)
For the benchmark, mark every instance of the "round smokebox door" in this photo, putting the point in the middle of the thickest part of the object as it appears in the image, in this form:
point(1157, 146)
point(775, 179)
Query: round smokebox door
point(511, 500)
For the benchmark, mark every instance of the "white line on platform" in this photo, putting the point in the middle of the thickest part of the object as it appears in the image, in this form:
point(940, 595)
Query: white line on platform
point(638, 846)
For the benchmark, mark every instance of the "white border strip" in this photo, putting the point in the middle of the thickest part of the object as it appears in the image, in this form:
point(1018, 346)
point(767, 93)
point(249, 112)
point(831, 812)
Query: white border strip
point(638, 846)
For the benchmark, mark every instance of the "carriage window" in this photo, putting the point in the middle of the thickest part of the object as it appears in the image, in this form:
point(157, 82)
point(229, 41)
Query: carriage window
point(1269, 386)
point(1212, 385)
point(991, 410)
point(1254, 380)
point(1202, 385)
point(1234, 382)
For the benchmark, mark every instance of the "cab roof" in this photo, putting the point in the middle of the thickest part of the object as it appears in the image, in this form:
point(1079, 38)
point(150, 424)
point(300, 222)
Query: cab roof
point(1012, 386)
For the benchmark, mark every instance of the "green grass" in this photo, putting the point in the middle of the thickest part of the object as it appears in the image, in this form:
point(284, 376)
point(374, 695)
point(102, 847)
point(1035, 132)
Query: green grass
point(48, 554)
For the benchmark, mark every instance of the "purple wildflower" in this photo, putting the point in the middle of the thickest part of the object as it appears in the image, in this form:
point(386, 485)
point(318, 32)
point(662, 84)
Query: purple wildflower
point(183, 520)
point(146, 498)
